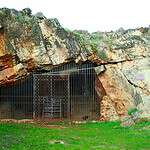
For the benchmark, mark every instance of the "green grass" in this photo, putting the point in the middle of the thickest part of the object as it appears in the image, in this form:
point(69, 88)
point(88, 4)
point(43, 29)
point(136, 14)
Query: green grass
point(89, 136)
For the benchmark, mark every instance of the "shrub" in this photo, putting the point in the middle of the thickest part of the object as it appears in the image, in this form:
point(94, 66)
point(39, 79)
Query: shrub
point(132, 111)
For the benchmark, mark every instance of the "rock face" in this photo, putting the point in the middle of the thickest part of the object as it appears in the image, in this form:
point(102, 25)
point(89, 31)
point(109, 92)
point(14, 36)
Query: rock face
point(30, 42)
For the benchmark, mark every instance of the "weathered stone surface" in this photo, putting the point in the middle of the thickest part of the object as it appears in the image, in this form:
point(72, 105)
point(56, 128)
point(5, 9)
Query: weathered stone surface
point(33, 42)
point(29, 42)
point(119, 92)
point(2, 43)
point(108, 111)
point(138, 74)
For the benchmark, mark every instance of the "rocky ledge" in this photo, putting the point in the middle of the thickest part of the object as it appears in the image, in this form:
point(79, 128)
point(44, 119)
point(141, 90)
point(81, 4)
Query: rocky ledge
point(30, 42)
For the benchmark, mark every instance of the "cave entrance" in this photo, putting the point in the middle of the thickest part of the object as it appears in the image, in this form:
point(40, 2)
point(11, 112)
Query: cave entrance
point(66, 94)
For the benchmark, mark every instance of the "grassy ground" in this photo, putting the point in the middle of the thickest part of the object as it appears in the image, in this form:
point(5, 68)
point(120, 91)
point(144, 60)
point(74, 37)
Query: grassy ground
point(89, 136)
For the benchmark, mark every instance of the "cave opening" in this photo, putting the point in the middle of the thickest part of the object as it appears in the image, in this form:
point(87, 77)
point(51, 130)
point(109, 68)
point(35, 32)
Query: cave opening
point(65, 92)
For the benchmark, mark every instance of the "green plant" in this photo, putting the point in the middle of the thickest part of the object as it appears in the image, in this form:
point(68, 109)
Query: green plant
point(102, 54)
point(132, 111)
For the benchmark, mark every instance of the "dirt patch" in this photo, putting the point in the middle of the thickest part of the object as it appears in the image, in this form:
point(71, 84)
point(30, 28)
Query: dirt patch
point(56, 142)
point(16, 121)
point(31, 121)
point(51, 126)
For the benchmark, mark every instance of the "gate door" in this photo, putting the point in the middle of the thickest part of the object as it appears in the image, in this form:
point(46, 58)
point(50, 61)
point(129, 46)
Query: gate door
point(51, 96)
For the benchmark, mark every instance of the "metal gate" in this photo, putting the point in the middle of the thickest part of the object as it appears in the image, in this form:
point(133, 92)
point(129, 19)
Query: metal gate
point(51, 96)
point(83, 103)
point(16, 99)
point(66, 96)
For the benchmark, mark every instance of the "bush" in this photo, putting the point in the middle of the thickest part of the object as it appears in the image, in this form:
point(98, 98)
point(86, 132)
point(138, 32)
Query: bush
point(132, 111)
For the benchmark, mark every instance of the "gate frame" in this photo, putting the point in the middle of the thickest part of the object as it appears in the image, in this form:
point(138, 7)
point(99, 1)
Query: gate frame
point(35, 79)
point(69, 100)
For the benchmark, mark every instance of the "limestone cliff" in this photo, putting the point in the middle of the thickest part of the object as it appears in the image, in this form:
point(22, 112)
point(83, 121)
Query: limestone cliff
point(30, 42)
